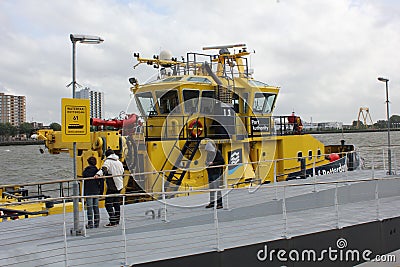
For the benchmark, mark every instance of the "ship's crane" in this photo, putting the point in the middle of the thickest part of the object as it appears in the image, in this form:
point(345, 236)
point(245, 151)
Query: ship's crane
point(364, 112)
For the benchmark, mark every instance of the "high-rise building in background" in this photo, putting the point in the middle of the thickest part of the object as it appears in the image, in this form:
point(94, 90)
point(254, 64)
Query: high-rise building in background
point(12, 109)
point(96, 102)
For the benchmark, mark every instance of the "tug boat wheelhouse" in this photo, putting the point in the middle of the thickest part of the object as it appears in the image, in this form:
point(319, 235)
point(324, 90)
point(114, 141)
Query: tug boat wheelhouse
point(214, 96)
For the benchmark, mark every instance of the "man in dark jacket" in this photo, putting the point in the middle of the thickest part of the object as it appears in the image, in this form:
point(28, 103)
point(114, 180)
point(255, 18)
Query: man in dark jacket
point(215, 169)
point(92, 187)
point(113, 167)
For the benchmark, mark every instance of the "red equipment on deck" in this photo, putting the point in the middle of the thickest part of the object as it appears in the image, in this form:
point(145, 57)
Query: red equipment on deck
point(130, 121)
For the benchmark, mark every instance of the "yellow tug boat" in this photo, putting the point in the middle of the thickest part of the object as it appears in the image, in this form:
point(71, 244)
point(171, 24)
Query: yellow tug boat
point(208, 96)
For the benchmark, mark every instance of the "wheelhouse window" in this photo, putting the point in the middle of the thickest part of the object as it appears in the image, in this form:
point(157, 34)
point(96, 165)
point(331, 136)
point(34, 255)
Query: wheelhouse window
point(191, 100)
point(235, 102)
point(245, 98)
point(146, 103)
point(168, 101)
point(207, 102)
point(199, 80)
point(172, 79)
point(263, 102)
point(257, 83)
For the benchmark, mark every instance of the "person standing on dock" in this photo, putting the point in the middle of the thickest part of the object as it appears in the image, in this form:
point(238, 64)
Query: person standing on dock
point(112, 166)
point(214, 162)
point(92, 187)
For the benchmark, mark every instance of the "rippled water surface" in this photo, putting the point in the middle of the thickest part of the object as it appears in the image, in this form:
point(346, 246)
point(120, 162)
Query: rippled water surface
point(372, 146)
point(25, 164)
point(22, 164)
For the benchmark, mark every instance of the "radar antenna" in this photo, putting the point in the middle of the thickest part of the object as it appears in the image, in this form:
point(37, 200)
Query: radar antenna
point(223, 46)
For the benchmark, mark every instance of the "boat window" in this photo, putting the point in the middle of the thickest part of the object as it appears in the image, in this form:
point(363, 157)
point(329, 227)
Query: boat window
point(319, 153)
point(167, 101)
point(146, 103)
point(257, 83)
point(235, 102)
point(309, 154)
point(245, 102)
point(191, 100)
point(299, 155)
point(207, 102)
point(172, 79)
point(198, 80)
point(263, 102)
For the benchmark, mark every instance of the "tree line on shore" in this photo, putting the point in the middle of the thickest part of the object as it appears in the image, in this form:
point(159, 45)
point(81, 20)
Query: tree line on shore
point(23, 131)
point(380, 124)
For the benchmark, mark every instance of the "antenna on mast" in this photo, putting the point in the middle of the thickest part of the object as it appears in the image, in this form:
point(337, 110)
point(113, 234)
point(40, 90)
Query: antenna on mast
point(223, 46)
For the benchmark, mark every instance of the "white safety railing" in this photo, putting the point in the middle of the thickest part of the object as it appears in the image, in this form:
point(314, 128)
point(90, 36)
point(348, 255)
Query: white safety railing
point(369, 160)
point(174, 226)
point(253, 216)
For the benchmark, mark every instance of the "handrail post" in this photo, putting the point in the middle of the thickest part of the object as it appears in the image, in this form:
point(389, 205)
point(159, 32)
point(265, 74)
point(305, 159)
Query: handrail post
point(166, 127)
point(275, 182)
point(124, 230)
point(216, 225)
point(377, 202)
point(384, 161)
point(314, 176)
point(164, 198)
point(337, 206)
point(83, 207)
point(284, 234)
point(225, 195)
point(345, 167)
point(61, 190)
point(373, 168)
point(65, 236)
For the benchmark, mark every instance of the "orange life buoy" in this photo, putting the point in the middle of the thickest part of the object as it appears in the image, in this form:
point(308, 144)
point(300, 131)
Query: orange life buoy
point(195, 128)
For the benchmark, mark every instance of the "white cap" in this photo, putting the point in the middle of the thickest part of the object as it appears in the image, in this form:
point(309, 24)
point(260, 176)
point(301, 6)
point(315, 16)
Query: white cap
point(210, 147)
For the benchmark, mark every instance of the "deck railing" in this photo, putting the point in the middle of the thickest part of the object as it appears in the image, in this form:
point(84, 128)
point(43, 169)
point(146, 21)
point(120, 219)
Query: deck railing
point(373, 160)
point(252, 214)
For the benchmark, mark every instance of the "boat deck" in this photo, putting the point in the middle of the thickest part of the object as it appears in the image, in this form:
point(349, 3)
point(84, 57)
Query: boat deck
point(153, 231)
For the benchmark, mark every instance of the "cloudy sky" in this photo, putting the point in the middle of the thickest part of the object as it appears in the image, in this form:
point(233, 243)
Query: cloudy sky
point(325, 55)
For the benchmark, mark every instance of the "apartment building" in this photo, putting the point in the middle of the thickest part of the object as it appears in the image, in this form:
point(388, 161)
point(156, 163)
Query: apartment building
point(12, 109)
point(96, 101)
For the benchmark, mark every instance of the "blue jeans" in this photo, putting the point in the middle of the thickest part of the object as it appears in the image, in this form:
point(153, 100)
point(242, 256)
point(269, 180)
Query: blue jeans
point(93, 214)
point(214, 181)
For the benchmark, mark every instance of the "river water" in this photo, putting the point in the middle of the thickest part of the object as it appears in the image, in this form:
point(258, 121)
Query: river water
point(372, 146)
point(25, 164)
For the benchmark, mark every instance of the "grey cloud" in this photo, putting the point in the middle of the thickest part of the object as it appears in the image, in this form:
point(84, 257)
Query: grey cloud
point(325, 55)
